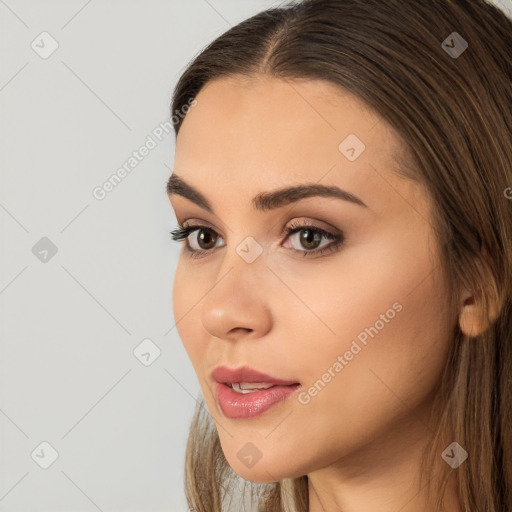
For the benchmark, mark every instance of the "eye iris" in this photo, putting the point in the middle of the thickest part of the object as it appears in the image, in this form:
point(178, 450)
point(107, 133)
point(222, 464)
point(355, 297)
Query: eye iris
point(305, 239)
point(201, 237)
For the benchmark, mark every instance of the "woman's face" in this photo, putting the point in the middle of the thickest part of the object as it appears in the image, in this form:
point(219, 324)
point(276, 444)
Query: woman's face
point(362, 326)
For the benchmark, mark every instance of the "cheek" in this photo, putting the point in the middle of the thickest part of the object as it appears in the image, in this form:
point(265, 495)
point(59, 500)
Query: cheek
point(391, 330)
point(354, 401)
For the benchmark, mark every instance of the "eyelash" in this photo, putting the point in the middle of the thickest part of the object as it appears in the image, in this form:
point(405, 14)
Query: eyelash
point(183, 232)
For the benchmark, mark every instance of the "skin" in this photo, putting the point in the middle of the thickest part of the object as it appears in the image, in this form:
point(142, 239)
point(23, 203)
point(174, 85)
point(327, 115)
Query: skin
point(360, 438)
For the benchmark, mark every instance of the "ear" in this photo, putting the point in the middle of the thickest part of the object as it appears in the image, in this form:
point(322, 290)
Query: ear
point(475, 316)
point(472, 318)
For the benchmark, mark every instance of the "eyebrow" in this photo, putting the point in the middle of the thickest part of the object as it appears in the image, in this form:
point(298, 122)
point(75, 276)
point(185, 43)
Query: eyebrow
point(265, 200)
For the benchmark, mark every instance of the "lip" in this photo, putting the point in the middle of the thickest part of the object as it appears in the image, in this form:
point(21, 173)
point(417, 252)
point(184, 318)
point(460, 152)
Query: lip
point(249, 405)
point(224, 375)
point(236, 405)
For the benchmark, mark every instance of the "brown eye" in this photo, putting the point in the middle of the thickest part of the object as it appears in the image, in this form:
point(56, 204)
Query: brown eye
point(310, 239)
point(205, 238)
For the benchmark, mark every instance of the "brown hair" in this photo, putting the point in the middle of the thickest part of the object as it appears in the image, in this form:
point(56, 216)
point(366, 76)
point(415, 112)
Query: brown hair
point(454, 114)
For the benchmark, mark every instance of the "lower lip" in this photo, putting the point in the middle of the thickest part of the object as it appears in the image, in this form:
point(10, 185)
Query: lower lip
point(248, 405)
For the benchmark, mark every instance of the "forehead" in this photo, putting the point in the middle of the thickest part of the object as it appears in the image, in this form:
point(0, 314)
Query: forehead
point(271, 111)
point(263, 132)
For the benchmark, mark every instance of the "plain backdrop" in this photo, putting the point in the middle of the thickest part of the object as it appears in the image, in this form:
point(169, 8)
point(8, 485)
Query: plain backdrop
point(96, 389)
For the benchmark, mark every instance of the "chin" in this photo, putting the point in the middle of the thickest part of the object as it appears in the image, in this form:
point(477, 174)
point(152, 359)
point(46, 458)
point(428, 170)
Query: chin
point(260, 475)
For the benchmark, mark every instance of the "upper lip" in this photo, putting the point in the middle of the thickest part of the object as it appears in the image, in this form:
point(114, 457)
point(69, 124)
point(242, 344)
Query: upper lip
point(226, 375)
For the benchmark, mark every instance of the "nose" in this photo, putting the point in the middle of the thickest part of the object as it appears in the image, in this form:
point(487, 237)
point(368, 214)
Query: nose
point(236, 306)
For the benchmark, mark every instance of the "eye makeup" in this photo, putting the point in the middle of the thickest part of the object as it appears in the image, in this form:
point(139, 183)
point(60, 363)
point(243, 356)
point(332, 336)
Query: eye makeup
point(312, 234)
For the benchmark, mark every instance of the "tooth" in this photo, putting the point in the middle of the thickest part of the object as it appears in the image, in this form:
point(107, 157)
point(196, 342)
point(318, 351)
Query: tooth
point(254, 385)
point(249, 387)
point(238, 389)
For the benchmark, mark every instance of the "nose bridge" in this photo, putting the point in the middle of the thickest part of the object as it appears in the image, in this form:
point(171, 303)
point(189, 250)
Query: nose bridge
point(236, 300)
point(241, 273)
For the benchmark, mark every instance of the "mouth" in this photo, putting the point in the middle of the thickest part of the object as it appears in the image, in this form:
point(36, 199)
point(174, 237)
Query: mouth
point(251, 387)
point(246, 393)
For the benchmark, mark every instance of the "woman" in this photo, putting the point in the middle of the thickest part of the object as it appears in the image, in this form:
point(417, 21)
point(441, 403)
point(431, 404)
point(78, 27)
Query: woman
point(342, 187)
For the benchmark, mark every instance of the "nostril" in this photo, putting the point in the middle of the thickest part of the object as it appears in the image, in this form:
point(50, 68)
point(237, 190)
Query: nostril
point(243, 329)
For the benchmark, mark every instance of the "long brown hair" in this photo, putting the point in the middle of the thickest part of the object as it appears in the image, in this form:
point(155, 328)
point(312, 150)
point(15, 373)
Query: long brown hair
point(453, 110)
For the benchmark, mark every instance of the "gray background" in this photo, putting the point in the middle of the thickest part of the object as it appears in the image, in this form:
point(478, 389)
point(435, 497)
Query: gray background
point(71, 321)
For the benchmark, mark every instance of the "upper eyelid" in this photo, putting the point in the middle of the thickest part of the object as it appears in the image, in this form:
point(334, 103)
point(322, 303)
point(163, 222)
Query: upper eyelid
point(297, 227)
point(300, 220)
